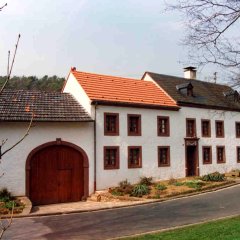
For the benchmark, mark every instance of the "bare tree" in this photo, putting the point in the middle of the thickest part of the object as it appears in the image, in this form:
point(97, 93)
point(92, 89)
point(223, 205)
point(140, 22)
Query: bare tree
point(6, 222)
point(212, 31)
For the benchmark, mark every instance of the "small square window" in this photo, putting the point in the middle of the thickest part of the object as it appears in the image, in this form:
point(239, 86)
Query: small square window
point(221, 158)
point(219, 129)
point(134, 125)
point(191, 128)
point(134, 157)
point(238, 129)
point(207, 154)
point(111, 157)
point(206, 128)
point(238, 154)
point(111, 124)
point(163, 126)
point(164, 156)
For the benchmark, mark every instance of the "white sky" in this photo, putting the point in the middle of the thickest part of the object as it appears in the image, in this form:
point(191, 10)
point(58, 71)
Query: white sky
point(115, 37)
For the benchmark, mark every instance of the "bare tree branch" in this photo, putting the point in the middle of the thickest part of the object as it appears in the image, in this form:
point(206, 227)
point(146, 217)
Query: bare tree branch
point(3, 226)
point(11, 68)
point(20, 140)
point(212, 31)
point(1, 8)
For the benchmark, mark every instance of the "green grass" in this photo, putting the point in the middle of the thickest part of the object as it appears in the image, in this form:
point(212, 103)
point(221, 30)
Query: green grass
point(228, 229)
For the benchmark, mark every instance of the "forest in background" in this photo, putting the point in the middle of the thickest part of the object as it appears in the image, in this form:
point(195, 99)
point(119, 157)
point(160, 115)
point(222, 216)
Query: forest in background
point(46, 83)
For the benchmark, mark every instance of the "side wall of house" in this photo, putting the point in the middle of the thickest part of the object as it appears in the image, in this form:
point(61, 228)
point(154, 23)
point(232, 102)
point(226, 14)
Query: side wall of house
point(150, 142)
point(14, 162)
point(72, 86)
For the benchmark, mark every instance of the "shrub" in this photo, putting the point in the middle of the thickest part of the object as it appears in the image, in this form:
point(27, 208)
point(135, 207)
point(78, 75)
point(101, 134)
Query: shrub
point(213, 177)
point(139, 190)
point(161, 187)
point(178, 184)
point(146, 180)
point(124, 187)
point(5, 195)
point(9, 205)
point(197, 184)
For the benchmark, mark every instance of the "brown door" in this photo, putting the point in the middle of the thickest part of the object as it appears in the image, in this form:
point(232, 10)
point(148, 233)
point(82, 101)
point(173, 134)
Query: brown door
point(56, 175)
point(191, 161)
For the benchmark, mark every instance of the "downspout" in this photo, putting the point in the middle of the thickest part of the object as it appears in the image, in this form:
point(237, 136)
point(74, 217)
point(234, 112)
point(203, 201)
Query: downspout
point(95, 148)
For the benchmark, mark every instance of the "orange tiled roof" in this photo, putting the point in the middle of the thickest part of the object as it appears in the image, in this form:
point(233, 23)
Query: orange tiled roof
point(122, 90)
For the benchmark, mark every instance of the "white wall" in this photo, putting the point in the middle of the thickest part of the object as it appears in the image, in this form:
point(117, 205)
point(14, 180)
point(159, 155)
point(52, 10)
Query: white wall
point(13, 163)
point(72, 86)
point(150, 141)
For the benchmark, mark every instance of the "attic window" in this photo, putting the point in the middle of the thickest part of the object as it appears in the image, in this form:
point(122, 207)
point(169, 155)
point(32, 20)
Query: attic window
point(232, 95)
point(186, 89)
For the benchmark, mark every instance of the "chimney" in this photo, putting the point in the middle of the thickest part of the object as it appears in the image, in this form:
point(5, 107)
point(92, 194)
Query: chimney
point(190, 72)
point(73, 69)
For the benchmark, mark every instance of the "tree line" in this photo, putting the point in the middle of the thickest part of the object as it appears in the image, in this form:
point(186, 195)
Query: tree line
point(46, 83)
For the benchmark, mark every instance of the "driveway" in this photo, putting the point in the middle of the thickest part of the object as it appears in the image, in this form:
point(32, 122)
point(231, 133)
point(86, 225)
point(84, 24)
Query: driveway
point(127, 221)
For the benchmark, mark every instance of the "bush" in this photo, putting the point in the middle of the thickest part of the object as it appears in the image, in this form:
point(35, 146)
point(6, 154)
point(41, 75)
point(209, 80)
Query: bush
point(197, 184)
point(146, 181)
point(139, 190)
point(161, 187)
point(9, 205)
point(213, 177)
point(178, 184)
point(5, 195)
point(125, 187)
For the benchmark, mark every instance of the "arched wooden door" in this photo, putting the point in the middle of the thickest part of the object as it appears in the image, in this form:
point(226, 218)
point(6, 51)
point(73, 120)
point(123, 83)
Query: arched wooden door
point(56, 175)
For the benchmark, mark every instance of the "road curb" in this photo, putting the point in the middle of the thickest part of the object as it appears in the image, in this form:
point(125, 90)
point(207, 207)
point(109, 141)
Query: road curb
point(125, 206)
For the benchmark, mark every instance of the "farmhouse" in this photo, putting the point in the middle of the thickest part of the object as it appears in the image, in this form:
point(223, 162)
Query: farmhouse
point(102, 129)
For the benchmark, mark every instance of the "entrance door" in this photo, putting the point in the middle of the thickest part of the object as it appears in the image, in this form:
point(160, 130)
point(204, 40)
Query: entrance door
point(191, 161)
point(56, 175)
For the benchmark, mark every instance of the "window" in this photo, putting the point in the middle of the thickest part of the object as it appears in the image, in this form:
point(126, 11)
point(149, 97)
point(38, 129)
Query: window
point(219, 129)
point(206, 128)
point(238, 129)
point(238, 154)
point(111, 157)
point(207, 154)
point(134, 157)
point(164, 156)
point(134, 125)
point(111, 124)
point(191, 128)
point(221, 154)
point(163, 126)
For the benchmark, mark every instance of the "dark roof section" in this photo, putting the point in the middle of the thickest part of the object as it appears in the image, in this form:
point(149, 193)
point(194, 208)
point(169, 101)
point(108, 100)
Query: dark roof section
point(19, 105)
point(205, 94)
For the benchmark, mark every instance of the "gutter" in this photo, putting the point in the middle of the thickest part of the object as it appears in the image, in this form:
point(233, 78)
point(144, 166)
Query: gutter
point(95, 148)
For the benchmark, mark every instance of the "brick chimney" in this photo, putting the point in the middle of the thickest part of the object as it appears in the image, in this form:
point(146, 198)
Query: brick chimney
point(190, 72)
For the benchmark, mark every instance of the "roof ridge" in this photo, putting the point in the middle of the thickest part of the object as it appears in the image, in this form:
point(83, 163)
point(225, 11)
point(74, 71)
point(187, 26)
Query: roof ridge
point(186, 79)
point(105, 75)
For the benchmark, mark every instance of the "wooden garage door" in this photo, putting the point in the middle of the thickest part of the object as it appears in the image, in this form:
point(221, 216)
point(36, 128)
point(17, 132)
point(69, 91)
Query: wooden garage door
point(56, 175)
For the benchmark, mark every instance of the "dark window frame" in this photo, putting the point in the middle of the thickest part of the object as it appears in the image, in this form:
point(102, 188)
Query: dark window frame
point(224, 154)
point(110, 133)
point(238, 154)
point(168, 164)
point(110, 167)
point(194, 127)
point(209, 127)
point(237, 124)
point(216, 128)
point(165, 118)
point(139, 125)
point(139, 165)
point(210, 154)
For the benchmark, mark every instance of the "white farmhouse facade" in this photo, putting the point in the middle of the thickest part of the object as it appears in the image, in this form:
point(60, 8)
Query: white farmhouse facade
point(116, 128)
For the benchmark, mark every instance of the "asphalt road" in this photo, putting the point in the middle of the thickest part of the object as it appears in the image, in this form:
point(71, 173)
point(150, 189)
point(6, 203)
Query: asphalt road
point(127, 221)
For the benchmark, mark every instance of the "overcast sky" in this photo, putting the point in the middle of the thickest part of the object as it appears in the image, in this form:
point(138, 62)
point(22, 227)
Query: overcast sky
point(115, 37)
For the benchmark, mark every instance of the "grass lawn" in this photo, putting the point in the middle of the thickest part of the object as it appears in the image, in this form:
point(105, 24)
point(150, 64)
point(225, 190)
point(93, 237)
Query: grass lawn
point(228, 229)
